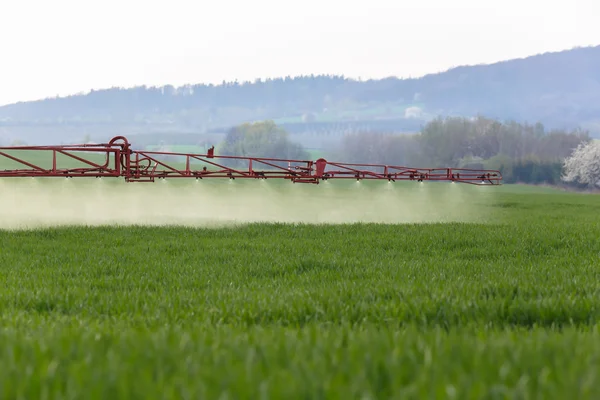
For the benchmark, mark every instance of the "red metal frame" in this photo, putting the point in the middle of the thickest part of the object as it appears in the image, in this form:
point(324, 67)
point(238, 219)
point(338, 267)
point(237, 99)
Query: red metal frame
point(146, 166)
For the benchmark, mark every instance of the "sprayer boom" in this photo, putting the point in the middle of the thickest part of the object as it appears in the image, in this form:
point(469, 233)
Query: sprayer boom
point(117, 159)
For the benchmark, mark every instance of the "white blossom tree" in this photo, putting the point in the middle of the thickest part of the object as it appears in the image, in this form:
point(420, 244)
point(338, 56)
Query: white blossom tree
point(583, 166)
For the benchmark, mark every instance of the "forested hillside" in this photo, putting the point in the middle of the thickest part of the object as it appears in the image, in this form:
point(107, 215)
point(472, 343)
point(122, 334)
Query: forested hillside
point(560, 90)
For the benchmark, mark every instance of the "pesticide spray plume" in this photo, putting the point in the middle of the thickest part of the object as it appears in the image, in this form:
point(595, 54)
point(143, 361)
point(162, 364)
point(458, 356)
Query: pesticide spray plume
point(226, 192)
point(33, 203)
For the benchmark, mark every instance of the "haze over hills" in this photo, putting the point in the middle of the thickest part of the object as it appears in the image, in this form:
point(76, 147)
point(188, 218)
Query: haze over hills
point(561, 90)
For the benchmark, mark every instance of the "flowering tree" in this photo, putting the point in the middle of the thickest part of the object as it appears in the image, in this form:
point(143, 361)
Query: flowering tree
point(583, 166)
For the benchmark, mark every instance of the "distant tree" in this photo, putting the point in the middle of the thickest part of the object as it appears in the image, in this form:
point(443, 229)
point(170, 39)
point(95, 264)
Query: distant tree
point(261, 139)
point(522, 152)
point(379, 148)
point(447, 141)
point(583, 166)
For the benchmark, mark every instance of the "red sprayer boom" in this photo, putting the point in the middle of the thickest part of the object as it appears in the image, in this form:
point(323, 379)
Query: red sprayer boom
point(117, 159)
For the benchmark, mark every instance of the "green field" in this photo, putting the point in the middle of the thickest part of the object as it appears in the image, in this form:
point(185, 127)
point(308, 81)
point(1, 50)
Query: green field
point(181, 148)
point(499, 300)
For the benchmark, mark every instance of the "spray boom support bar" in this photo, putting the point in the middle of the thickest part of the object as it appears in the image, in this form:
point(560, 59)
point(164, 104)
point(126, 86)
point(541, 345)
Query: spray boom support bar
point(117, 159)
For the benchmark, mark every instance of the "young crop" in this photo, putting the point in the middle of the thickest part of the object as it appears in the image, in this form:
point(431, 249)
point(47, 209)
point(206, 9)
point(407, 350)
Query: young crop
point(506, 306)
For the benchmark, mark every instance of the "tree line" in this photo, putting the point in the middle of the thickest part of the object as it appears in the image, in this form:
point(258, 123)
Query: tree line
point(523, 152)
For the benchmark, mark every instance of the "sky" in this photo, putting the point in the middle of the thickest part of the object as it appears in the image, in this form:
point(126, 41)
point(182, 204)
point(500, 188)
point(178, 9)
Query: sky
point(62, 47)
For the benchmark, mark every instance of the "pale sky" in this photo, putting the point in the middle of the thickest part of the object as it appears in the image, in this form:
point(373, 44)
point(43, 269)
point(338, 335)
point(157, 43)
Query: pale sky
point(60, 47)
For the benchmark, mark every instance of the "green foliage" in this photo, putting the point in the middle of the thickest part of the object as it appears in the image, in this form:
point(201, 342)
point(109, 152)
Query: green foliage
point(261, 139)
point(508, 309)
point(529, 170)
point(535, 172)
point(446, 141)
point(522, 152)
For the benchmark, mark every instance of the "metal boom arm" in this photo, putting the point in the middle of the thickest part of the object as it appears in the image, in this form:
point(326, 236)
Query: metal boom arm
point(117, 159)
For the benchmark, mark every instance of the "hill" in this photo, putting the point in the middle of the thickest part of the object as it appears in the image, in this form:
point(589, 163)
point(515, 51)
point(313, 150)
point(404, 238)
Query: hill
point(561, 90)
